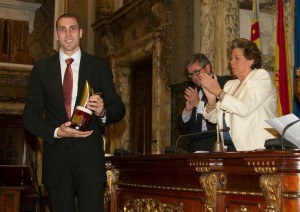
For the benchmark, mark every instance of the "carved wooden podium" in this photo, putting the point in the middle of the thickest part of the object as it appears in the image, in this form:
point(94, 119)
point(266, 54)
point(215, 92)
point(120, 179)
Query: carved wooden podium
point(216, 182)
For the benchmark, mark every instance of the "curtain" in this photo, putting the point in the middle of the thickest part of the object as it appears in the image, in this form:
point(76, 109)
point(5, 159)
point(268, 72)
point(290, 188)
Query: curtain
point(17, 32)
point(3, 41)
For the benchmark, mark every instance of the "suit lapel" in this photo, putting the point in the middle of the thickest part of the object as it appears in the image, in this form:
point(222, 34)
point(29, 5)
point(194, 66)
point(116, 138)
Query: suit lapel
point(56, 81)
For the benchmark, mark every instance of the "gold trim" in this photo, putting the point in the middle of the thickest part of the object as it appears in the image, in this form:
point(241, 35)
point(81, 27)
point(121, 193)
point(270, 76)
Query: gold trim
point(265, 170)
point(171, 188)
point(112, 178)
point(209, 185)
point(66, 6)
point(264, 167)
point(201, 166)
point(150, 204)
point(241, 193)
point(298, 72)
point(291, 195)
point(270, 186)
point(223, 181)
point(222, 192)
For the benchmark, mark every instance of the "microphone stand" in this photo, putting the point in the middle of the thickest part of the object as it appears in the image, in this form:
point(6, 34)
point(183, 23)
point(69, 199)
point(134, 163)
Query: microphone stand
point(284, 130)
point(218, 146)
point(281, 143)
point(191, 134)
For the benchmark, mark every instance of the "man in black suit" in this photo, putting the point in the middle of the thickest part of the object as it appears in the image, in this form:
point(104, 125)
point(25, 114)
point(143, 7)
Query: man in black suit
point(191, 117)
point(73, 160)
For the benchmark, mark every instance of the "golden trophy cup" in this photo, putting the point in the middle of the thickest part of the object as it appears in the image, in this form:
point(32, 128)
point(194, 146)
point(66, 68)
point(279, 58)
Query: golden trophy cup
point(82, 116)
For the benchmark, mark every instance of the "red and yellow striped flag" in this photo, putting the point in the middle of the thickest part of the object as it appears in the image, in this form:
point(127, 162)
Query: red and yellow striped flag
point(255, 33)
point(283, 81)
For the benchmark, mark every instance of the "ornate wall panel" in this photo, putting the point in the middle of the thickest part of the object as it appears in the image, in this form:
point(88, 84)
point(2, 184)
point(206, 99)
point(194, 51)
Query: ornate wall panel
point(219, 24)
point(40, 41)
point(129, 36)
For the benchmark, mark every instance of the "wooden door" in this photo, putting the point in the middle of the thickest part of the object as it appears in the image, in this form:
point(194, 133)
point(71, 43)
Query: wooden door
point(141, 107)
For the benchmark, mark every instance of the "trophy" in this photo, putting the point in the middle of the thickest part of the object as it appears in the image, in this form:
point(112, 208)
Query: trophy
point(82, 116)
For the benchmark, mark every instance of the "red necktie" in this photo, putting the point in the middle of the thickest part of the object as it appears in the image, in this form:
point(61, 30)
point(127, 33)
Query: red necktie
point(68, 86)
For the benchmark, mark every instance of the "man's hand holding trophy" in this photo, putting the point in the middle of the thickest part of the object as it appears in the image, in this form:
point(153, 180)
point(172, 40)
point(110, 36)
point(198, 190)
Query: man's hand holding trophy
point(82, 116)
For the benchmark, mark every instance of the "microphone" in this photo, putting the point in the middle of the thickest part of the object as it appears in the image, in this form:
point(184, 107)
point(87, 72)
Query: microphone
point(175, 149)
point(121, 151)
point(218, 145)
point(281, 143)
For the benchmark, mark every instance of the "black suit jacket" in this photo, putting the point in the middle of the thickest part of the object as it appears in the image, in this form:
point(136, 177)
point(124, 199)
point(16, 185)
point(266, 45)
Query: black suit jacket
point(44, 111)
point(195, 125)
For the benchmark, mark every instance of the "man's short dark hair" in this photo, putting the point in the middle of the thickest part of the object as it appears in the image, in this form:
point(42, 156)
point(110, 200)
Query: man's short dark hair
point(67, 15)
point(198, 57)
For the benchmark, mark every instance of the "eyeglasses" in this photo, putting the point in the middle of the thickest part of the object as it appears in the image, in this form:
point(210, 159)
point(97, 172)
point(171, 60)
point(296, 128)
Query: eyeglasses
point(195, 73)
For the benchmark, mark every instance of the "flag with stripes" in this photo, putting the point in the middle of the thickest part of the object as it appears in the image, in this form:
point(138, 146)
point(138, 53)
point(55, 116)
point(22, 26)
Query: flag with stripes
point(282, 72)
point(296, 105)
point(255, 32)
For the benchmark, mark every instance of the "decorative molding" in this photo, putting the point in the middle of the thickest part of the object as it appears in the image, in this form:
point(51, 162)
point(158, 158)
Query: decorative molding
point(13, 83)
point(170, 188)
point(201, 166)
point(11, 108)
point(15, 66)
point(128, 36)
point(209, 185)
point(264, 166)
point(266, 6)
point(240, 193)
point(271, 187)
point(270, 184)
point(19, 10)
point(112, 176)
point(150, 204)
point(218, 191)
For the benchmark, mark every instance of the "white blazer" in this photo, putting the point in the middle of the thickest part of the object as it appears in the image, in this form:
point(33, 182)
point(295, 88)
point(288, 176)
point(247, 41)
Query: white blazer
point(247, 109)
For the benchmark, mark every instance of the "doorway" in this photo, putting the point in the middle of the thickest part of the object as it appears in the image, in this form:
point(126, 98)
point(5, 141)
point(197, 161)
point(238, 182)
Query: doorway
point(141, 107)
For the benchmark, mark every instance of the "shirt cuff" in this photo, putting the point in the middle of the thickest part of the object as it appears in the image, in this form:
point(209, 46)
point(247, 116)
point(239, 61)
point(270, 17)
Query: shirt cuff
point(200, 107)
point(186, 116)
point(55, 133)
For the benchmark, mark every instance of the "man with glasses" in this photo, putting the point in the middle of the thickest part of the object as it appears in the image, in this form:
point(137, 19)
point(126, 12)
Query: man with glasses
point(191, 117)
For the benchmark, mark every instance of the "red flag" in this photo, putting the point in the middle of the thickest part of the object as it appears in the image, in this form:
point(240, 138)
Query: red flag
point(255, 33)
point(282, 75)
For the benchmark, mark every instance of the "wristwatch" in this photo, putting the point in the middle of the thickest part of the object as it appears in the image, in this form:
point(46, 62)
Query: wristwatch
point(221, 94)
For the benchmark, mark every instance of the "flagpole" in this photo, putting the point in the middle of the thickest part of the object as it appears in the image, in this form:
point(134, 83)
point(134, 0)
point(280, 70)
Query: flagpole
point(255, 31)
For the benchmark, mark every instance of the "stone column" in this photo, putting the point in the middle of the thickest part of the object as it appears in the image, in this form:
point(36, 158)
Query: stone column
point(219, 25)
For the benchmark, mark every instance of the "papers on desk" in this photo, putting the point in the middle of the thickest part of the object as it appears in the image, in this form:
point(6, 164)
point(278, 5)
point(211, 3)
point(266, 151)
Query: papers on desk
point(292, 132)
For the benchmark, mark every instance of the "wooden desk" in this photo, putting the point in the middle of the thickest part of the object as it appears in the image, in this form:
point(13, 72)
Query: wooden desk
point(240, 181)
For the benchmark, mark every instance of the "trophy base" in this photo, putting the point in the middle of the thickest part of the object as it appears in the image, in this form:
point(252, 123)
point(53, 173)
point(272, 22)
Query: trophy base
point(78, 127)
point(81, 118)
